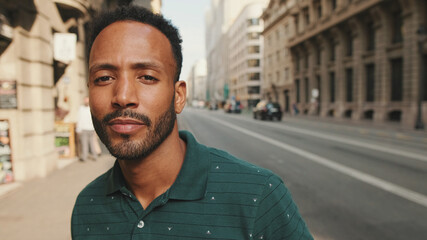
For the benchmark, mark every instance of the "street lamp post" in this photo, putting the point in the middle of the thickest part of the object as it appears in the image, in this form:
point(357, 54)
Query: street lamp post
point(422, 32)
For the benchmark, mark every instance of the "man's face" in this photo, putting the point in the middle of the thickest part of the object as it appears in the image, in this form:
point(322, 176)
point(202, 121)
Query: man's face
point(131, 88)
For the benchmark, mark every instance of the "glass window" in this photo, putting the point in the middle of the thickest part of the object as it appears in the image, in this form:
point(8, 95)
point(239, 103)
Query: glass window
point(253, 63)
point(397, 27)
point(253, 21)
point(370, 34)
point(397, 79)
point(349, 44)
point(332, 86)
point(253, 49)
point(254, 76)
point(333, 4)
point(306, 90)
point(254, 90)
point(349, 84)
point(370, 82)
point(253, 35)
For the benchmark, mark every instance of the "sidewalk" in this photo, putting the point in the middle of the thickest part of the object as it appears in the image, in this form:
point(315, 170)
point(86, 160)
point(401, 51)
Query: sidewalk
point(41, 208)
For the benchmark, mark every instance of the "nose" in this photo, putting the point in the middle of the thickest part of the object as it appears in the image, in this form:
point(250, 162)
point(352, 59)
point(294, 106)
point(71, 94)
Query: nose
point(125, 93)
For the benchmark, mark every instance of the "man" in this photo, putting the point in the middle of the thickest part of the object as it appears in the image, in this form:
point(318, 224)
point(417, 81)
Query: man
point(86, 133)
point(165, 185)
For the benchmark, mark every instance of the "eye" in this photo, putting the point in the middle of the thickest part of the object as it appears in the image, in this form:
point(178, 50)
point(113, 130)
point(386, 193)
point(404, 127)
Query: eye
point(102, 79)
point(148, 79)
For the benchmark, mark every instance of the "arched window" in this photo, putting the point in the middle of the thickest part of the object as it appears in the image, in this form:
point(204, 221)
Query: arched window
point(370, 36)
point(397, 26)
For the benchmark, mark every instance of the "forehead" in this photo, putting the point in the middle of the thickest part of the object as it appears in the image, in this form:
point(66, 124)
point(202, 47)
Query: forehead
point(131, 36)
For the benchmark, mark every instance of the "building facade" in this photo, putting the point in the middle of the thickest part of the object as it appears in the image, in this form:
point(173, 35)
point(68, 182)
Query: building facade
point(34, 83)
point(218, 19)
point(278, 81)
point(245, 54)
point(197, 84)
point(360, 59)
point(43, 74)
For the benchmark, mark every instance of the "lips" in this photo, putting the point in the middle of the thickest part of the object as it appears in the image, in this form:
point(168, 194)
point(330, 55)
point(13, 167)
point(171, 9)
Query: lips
point(125, 125)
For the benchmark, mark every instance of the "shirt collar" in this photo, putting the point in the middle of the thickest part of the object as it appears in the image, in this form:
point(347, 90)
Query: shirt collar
point(192, 178)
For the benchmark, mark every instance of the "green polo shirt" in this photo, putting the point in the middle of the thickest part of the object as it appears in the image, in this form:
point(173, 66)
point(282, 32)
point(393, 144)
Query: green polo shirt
point(215, 196)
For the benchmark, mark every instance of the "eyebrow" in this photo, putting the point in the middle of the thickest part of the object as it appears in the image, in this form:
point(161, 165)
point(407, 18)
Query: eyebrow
point(145, 65)
point(105, 66)
point(138, 65)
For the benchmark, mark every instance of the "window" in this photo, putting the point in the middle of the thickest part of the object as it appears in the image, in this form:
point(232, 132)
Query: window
point(370, 82)
point(253, 35)
point(253, 22)
point(319, 87)
point(319, 11)
point(397, 27)
point(253, 63)
point(297, 90)
point(253, 90)
point(297, 63)
point(350, 41)
point(306, 89)
point(397, 79)
point(306, 17)
point(277, 76)
point(296, 23)
point(318, 55)
point(370, 34)
point(333, 4)
point(278, 55)
point(425, 78)
point(306, 61)
point(253, 49)
point(349, 84)
point(254, 76)
point(286, 74)
point(332, 49)
point(332, 86)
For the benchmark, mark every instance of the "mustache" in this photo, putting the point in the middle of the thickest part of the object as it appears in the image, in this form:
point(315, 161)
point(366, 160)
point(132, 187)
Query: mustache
point(129, 114)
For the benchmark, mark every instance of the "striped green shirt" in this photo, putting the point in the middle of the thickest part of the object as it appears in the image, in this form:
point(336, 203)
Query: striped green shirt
point(215, 196)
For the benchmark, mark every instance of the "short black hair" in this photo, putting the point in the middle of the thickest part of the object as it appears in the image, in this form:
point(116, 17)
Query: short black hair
point(143, 15)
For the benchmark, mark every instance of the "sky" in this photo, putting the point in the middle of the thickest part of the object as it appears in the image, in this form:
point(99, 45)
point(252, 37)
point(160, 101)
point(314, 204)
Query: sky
point(189, 17)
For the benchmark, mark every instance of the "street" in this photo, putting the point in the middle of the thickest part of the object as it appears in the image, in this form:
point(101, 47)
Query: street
point(349, 182)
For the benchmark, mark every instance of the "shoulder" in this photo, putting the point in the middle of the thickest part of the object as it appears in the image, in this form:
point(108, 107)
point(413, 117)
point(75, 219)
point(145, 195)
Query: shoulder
point(229, 172)
point(95, 188)
point(236, 165)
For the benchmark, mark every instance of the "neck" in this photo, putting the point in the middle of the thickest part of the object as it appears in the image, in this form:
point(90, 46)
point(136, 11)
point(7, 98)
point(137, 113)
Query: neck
point(152, 176)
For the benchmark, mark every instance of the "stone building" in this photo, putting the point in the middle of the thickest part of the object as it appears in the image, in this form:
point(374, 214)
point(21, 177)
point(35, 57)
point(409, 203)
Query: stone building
point(43, 75)
point(278, 67)
point(360, 59)
point(33, 81)
point(245, 54)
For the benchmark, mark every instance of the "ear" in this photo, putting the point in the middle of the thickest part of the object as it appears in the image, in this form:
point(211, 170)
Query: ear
point(180, 96)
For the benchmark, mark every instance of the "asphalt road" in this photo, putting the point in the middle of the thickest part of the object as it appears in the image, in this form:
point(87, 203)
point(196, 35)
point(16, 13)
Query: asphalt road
point(350, 182)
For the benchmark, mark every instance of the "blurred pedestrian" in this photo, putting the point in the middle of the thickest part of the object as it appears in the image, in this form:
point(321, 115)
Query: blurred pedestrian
point(295, 107)
point(86, 133)
point(164, 184)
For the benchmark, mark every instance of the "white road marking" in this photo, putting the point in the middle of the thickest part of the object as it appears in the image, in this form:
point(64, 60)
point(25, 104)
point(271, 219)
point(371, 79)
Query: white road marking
point(369, 179)
point(371, 146)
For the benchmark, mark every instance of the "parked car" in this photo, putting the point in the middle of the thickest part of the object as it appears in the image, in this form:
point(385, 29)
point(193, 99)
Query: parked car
point(267, 110)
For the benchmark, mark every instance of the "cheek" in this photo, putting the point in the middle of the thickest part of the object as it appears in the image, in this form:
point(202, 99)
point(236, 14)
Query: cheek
point(99, 101)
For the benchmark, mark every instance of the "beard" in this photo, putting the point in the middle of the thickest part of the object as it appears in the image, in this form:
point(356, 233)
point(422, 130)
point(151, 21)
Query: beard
point(137, 149)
